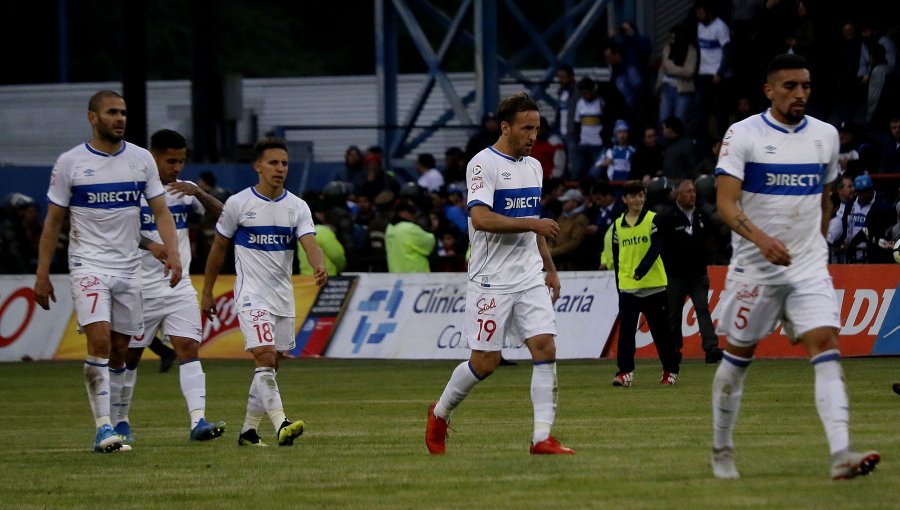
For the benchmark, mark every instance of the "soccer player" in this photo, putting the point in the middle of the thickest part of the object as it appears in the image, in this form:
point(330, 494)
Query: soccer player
point(174, 310)
point(510, 271)
point(265, 222)
point(101, 182)
point(774, 177)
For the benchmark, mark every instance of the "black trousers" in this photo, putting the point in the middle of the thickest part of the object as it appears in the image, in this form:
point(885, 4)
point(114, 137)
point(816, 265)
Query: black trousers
point(656, 309)
point(697, 289)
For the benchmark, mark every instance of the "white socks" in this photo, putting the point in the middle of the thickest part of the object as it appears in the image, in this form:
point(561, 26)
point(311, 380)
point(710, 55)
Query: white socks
point(193, 386)
point(96, 381)
point(727, 390)
point(267, 391)
point(116, 389)
point(462, 380)
point(831, 399)
point(544, 393)
point(255, 409)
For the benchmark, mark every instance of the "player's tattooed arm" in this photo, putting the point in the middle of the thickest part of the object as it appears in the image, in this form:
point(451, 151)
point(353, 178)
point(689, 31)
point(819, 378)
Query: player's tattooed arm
point(742, 224)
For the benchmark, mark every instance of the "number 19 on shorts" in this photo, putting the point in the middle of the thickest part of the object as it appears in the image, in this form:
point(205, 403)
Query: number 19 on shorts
point(487, 328)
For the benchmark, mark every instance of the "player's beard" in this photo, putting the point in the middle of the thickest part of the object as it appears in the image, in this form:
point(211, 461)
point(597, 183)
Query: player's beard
point(794, 114)
point(109, 135)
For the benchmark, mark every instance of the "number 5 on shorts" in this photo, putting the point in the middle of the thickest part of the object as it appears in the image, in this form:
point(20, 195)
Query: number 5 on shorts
point(742, 321)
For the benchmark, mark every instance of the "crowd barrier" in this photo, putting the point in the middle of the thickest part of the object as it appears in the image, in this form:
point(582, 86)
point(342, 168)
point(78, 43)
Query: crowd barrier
point(419, 316)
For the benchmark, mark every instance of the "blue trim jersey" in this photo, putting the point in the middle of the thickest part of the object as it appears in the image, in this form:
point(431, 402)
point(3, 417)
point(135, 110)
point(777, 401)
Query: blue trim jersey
point(265, 234)
point(155, 283)
point(103, 192)
point(504, 263)
point(783, 170)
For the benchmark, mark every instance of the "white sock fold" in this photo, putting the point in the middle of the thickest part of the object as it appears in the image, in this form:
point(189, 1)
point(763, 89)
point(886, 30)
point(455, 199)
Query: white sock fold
point(116, 388)
point(267, 389)
point(727, 391)
point(544, 395)
point(255, 409)
point(831, 399)
point(193, 387)
point(96, 381)
point(462, 380)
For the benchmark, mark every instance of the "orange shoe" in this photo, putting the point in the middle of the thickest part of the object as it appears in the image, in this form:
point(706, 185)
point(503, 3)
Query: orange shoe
point(550, 446)
point(435, 432)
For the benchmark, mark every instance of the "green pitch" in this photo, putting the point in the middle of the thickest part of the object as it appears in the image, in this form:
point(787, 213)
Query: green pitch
point(640, 447)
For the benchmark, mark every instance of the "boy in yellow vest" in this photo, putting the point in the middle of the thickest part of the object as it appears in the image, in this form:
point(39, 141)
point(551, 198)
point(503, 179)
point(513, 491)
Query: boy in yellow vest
point(641, 279)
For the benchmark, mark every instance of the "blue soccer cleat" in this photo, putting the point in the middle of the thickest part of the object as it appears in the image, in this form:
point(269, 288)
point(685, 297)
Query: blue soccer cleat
point(107, 440)
point(123, 428)
point(204, 431)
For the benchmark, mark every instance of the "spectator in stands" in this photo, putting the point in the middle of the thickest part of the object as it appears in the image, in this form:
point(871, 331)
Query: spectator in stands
point(842, 200)
point(890, 157)
point(647, 161)
point(440, 201)
point(589, 118)
point(377, 178)
point(454, 166)
point(713, 39)
point(892, 235)
point(870, 216)
point(680, 156)
point(848, 148)
point(407, 244)
point(848, 90)
point(566, 99)
point(615, 163)
point(707, 164)
point(564, 248)
point(675, 80)
point(880, 79)
point(487, 134)
point(550, 150)
point(20, 234)
point(551, 207)
point(685, 229)
point(872, 34)
point(207, 182)
point(374, 255)
point(430, 177)
point(627, 78)
point(354, 170)
point(602, 207)
point(450, 257)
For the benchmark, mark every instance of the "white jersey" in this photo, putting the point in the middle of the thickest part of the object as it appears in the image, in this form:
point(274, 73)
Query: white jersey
point(783, 170)
point(504, 263)
point(155, 283)
point(711, 39)
point(265, 234)
point(102, 192)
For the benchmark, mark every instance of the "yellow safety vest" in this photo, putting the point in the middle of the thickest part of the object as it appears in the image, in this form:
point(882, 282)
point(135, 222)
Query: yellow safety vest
point(634, 242)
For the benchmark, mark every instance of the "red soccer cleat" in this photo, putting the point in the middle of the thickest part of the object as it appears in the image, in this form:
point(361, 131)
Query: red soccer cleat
point(668, 378)
point(550, 446)
point(435, 432)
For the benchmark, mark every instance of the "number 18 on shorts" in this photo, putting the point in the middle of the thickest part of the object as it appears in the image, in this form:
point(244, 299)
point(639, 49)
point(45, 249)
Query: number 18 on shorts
point(261, 328)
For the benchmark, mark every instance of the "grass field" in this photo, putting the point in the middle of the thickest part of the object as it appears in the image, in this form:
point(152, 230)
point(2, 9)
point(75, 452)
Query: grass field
point(642, 447)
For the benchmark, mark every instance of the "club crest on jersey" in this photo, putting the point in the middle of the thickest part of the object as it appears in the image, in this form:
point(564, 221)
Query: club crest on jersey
point(291, 215)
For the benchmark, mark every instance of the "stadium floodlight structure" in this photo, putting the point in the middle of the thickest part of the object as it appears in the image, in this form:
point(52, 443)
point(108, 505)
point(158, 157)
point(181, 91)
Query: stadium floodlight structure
point(490, 67)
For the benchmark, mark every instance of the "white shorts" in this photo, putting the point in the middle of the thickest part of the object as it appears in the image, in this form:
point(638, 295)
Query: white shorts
point(113, 299)
point(178, 315)
point(750, 311)
point(494, 321)
point(261, 328)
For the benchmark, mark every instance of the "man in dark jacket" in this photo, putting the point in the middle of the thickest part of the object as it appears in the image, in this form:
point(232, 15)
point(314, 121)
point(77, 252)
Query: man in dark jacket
point(684, 230)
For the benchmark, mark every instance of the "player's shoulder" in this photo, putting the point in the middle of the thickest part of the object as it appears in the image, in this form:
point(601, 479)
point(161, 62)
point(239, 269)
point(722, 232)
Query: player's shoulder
point(820, 126)
point(240, 197)
point(74, 154)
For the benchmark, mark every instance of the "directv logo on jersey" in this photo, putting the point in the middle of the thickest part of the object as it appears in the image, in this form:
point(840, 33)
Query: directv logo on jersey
point(522, 202)
point(793, 179)
point(270, 239)
point(107, 197)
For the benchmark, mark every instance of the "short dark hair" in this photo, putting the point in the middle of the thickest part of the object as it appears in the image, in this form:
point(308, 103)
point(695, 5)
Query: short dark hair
point(633, 187)
point(167, 139)
point(268, 143)
point(675, 124)
point(516, 103)
point(602, 188)
point(586, 84)
point(786, 61)
point(427, 160)
point(208, 177)
point(94, 102)
point(566, 68)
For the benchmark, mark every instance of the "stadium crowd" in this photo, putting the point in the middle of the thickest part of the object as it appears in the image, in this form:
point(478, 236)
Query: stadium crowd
point(659, 118)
